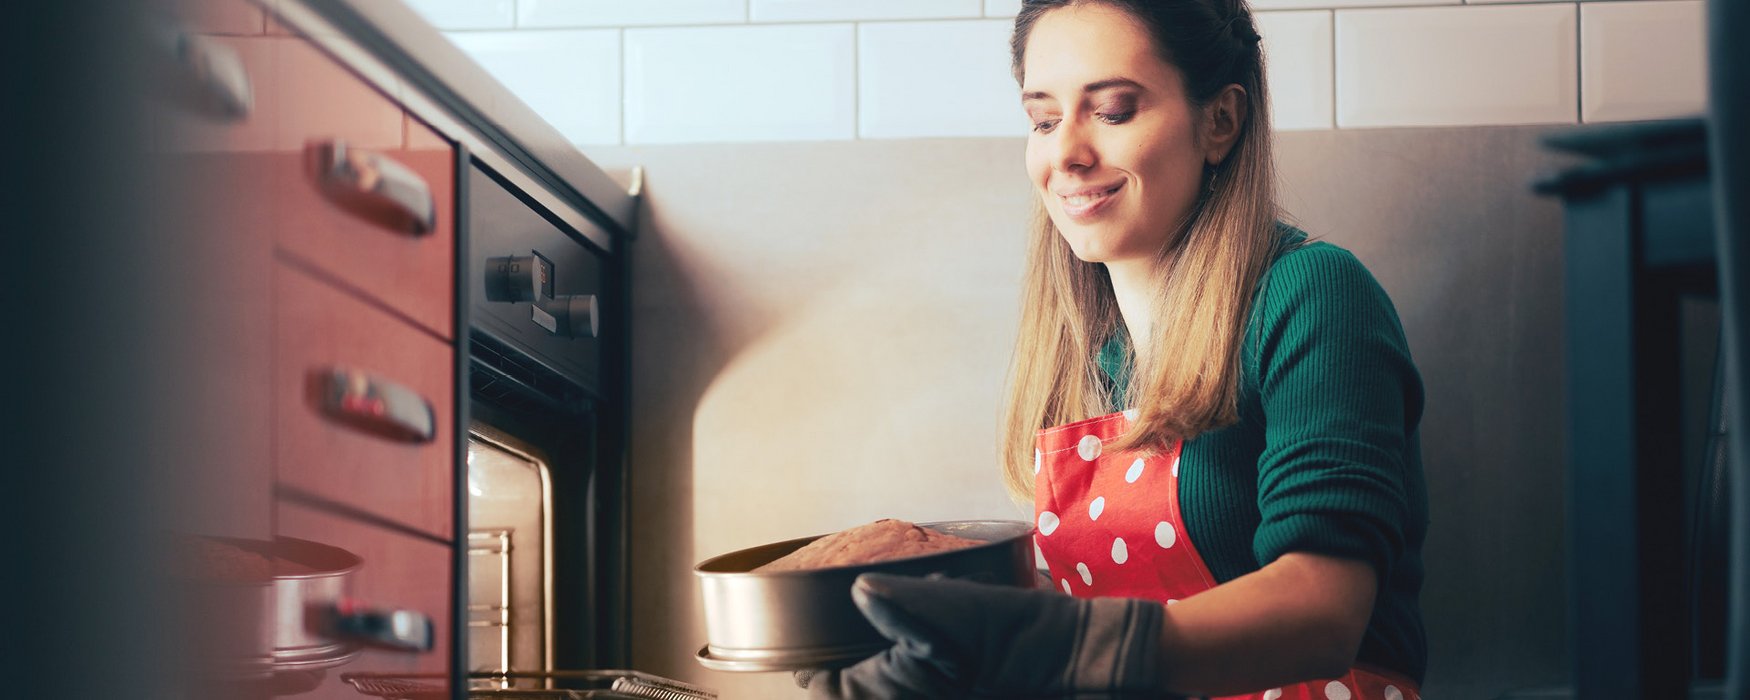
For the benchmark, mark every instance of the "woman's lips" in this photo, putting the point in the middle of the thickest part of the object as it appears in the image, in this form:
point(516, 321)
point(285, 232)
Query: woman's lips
point(1087, 203)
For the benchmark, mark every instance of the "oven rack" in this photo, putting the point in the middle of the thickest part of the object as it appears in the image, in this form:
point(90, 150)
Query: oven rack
point(609, 685)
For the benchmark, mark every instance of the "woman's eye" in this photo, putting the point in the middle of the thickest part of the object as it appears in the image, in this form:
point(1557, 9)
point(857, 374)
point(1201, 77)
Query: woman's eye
point(1045, 125)
point(1114, 117)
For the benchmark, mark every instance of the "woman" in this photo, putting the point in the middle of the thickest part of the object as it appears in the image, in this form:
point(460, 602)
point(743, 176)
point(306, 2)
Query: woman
point(1244, 512)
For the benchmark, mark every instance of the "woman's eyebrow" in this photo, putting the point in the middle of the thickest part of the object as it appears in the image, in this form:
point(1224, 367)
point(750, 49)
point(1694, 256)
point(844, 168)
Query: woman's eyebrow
point(1096, 86)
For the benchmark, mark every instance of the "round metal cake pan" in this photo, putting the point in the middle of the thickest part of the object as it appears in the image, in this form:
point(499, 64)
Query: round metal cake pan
point(798, 620)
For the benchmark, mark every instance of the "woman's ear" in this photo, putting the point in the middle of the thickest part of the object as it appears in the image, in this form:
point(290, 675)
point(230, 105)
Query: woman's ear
point(1222, 118)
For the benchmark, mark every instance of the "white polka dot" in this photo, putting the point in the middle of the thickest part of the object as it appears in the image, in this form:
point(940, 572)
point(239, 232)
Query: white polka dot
point(1047, 523)
point(1135, 471)
point(1119, 553)
point(1096, 508)
point(1038, 459)
point(1392, 693)
point(1165, 535)
point(1272, 694)
point(1130, 414)
point(1089, 448)
point(1175, 465)
point(1172, 601)
point(1065, 583)
point(1087, 576)
point(1335, 690)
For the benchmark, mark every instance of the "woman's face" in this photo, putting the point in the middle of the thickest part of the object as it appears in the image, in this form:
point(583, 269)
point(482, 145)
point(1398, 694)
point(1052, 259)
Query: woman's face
point(1113, 153)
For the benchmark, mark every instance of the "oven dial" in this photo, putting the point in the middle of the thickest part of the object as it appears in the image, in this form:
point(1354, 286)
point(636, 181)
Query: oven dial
point(570, 315)
point(518, 278)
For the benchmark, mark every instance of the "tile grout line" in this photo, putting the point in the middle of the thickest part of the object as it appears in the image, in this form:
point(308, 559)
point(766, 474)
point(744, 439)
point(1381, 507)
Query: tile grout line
point(1334, 91)
point(624, 78)
point(856, 81)
point(1579, 68)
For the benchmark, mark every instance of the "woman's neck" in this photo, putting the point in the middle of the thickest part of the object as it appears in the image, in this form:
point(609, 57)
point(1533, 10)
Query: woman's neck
point(1133, 286)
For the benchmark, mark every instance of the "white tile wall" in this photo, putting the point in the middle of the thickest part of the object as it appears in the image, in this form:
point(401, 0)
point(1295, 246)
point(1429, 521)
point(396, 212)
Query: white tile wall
point(467, 14)
point(921, 79)
point(762, 70)
point(1642, 60)
point(756, 83)
point(1457, 66)
point(571, 77)
point(621, 13)
point(1297, 62)
point(837, 10)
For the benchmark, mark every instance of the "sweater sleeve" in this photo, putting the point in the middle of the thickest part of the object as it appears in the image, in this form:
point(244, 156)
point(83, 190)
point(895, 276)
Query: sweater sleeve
point(1340, 399)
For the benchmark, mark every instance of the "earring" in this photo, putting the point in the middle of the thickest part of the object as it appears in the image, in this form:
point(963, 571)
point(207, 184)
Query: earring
point(1209, 178)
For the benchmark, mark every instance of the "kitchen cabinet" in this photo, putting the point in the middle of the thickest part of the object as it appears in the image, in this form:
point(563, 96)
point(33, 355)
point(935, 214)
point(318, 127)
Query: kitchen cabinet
point(327, 215)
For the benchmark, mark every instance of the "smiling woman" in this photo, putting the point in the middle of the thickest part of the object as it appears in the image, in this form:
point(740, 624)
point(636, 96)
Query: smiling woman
point(1216, 420)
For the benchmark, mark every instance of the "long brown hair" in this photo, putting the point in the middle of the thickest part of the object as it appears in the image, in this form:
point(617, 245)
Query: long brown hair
point(1208, 270)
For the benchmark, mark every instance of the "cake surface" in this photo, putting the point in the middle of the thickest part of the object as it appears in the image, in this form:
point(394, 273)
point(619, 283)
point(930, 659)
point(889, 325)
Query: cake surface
point(865, 544)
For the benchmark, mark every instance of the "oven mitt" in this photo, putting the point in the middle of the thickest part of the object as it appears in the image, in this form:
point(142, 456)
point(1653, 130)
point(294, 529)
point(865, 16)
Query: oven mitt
point(955, 639)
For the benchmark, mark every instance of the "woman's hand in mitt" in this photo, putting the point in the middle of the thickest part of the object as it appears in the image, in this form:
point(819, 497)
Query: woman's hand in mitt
point(956, 639)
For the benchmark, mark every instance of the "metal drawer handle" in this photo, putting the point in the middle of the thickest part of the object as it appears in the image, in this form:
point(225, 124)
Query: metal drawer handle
point(403, 630)
point(376, 405)
point(205, 75)
point(374, 186)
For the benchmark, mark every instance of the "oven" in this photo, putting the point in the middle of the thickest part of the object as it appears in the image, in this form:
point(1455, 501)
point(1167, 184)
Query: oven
point(545, 454)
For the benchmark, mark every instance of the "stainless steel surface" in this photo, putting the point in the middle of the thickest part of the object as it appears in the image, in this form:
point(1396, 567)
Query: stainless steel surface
point(511, 559)
point(375, 186)
point(795, 620)
point(309, 576)
point(501, 124)
point(377, 405)
point(578, 685)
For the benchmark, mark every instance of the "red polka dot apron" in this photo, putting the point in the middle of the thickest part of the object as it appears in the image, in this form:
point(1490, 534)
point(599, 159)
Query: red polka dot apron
point(1110, 525)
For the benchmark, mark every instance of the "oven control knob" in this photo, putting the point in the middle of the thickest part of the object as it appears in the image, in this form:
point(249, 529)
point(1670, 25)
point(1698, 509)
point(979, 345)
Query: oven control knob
point(570, 316)
point(519, 278)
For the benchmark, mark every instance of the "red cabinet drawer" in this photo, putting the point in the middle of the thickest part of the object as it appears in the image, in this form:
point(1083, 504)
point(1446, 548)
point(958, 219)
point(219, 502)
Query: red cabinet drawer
point(400, 572)
point(357, 228)
point(351, 222)
point(323, 452)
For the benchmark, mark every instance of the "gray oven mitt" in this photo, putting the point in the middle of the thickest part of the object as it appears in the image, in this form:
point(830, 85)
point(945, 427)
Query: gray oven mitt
point(957, 639)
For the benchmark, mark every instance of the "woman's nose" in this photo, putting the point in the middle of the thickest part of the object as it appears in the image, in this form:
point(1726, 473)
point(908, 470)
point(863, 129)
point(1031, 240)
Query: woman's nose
point(1075, 150)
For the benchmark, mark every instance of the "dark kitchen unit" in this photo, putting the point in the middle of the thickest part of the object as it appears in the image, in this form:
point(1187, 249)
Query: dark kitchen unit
point(411, 413)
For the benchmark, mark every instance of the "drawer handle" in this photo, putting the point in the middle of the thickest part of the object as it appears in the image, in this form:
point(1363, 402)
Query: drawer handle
point(374, 186)
point(376, 405)
point(403, 630)
point(203, 75)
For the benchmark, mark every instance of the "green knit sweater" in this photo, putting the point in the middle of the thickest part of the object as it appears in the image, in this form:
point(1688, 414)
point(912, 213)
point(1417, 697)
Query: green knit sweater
point(1325, 457)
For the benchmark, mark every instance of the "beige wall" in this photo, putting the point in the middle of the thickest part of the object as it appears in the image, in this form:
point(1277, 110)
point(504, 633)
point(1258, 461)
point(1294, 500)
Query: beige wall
point(821, 332)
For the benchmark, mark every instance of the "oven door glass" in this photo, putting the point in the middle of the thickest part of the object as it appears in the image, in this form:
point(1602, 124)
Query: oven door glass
point(509, 555)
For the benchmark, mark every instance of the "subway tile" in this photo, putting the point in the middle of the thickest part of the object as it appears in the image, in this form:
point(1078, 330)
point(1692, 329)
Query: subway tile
point(619, 13)
point(1642, 60)
point(924, 79)
point(1002, 8)
point(571, 77)
point(751, 83)
point(1447, 66)
point(1260, 5)
point(467, 14)
point(842, 10)
point(1297, 56)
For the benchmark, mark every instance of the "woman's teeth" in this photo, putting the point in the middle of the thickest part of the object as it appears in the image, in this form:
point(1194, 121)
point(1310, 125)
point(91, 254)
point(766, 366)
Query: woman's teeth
point(1086, 199)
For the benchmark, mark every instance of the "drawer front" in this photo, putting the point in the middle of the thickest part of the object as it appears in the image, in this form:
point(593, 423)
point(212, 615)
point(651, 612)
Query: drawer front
point(369, 204)
point(399, 573)
point(504, 225)
point(350, 451)
point(359, 188)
